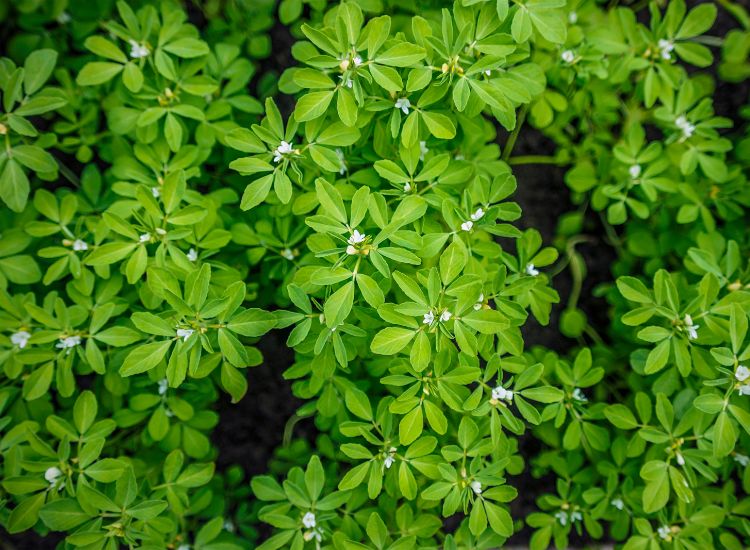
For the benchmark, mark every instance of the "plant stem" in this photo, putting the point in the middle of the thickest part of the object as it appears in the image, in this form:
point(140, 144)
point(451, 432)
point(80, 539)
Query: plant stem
point(534, 159)
point(514, 135)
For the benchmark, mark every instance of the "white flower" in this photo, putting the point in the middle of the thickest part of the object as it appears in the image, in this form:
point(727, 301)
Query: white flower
point(428, 318)
point(572, 18)
point(476, 486)
point(407, 187)
point(568, 56)
point(618, 503)
point(351, 250)
point(183, 547)
point(68, 343)
point(445, 316)
point(635, 171)
point(79, 245)
point(742, 373)
point(160, 231)
point(459, 156)
point(575, 516)
point(404, 104)
point(488, 72)
point(64, 18)
point(288, 254)
point(423, 150)
point(390, 457)
point(357, 60)
point(192, 255)
point(477, 215)
point(155, 192)
point(229, 526)
point(578, 395)
point(664, 532)
point(480, 302)
point(52, 474)
point(163, 386)
point(356, 237)
point(347, 80)
point(144, 238)
point(184, 333)
point(680, 458)
point(562, 517)
point(742, 460)
point(467, 225)
point(684, 124)
point(342, 161)
point(308, 520)
point(169, 413)
point(691, 329)
point(283, 149)
point(665, 49)
point(137, 50)
point(531, 270)
point(744, 390)
point(20, 338)
point(499, 393)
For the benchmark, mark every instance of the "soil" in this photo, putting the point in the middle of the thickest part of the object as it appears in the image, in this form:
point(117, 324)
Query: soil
point(251, 430)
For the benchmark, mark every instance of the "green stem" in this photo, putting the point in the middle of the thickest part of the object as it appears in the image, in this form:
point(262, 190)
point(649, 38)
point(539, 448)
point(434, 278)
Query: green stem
point(534, 159)
point(514, 135)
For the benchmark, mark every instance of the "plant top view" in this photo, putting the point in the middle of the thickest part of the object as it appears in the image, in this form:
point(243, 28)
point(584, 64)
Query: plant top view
point(374, 274)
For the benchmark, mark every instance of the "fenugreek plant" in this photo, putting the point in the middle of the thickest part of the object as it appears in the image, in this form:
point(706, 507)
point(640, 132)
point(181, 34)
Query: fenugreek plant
point(167, 204)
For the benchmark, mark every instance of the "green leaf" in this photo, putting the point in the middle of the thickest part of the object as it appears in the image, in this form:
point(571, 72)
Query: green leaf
point(410, 426)
point(144, 358)
point(401, 55)
point(63, 514)
point(252, 322)
point(391, 340)
point(312, 105)
point(98, 72)
point(621, 417)
point(14, 186)
point(38, 68)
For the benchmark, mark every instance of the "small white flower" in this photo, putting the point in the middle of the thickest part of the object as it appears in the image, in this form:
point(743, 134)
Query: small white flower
point(575, 516)
point(578, 395)
point(404, 104)
point(356, 237)
point(634, 171)
point(476, 486)
point(357, 60)
point(618, 503)
point(407, 187)
point(192, 255)
point(79, 245)
point(163, 386)
point(308, 520)
point(665, 49)
point(184, 333)
point(68, 343)
point(160, 231)
point(137, 50)
point(52, 474)
point(289, 255)
point(144, 238)
point(488, 72)
point(351, 250)
point(568, 56)
point(390, 457)
point(156, 192)
point(685, 125)
point(344, 65)
point(169, 413)
point(467, 225)
point(742, 460)
point(229, 526)
point(459, 156)
point(423, 150)
point(744, 390)
point(445, 316)
point(480, 302)
point(20, 338)
point(477, 215)
point(680, 458)
point(664, 532)
point(531, 270)
point(500, 393)
point(562, 517)
point(183, 547)
point(64, 18)
point(284, 148)
point(342, 161)
point(428, 318)
point(572, 18)
point(742, 373)
point(347, 81)
point(691, 329)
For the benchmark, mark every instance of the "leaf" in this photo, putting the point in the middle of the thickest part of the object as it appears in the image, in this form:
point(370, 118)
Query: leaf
point(256, 192)
point(401, 55)
point(187, 48)
point(312, 105)
point(14, 186)
point(98, 72)
point(410, 426)
point(621, 417)
point(252, 322)
point(38, 68)
point(63, 514)
point(391, 340)
point(358, 403)
point(486, 321)
point(144, 358)
point(25, 515)
point(439, 125)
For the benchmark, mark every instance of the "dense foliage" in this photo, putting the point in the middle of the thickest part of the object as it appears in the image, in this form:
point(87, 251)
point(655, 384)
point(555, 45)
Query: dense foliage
point(170, 195)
